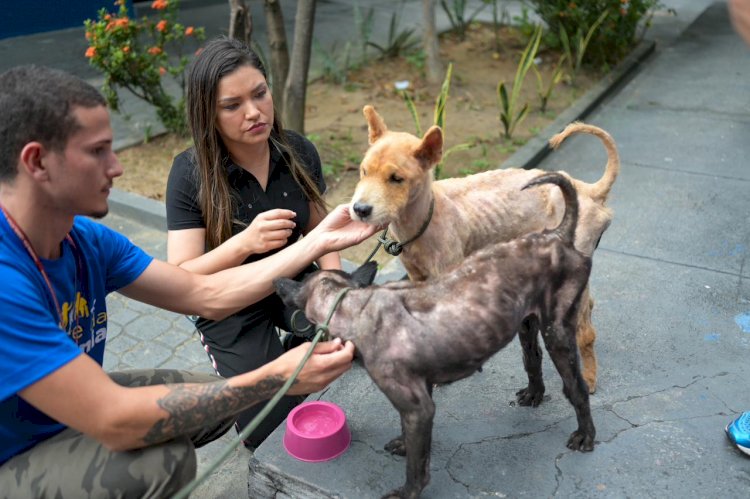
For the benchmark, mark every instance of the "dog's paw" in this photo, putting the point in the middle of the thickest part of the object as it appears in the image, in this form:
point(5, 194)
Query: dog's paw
point(529, 397)
point(396, 446)
point(402, 493)
point(394, 494)
point(581, 441)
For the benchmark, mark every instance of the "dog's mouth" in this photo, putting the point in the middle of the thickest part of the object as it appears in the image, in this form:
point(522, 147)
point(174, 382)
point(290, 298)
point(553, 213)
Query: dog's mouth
point(368, 214)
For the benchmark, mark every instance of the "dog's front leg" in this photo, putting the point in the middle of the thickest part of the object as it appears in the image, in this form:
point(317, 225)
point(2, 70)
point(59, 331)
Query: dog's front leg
point(532, 362)
point(417, 411)
point(560, 342)
point(396, 446)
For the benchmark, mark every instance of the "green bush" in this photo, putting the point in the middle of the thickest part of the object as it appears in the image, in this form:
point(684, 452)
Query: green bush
point(132, 54)
point(620, 30)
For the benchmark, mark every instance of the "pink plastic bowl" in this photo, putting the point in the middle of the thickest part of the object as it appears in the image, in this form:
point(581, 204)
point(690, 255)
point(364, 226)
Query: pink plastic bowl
point(316, 431)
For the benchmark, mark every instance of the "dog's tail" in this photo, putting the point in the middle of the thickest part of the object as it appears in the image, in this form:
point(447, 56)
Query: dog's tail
point(600, 189)
point(567, 227)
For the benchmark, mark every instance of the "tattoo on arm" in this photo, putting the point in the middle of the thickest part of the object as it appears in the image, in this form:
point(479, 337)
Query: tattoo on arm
point(195, 406)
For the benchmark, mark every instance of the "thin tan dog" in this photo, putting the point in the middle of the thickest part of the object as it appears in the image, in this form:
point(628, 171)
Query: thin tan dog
point(441, 222)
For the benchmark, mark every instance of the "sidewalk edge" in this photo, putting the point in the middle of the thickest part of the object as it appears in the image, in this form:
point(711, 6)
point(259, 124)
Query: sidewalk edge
point(537, 148)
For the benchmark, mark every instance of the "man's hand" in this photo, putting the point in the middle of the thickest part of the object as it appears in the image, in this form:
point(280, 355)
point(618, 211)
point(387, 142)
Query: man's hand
point(329, 360)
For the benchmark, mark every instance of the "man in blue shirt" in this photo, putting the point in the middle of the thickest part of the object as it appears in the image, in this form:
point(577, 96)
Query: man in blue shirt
point(64, 422)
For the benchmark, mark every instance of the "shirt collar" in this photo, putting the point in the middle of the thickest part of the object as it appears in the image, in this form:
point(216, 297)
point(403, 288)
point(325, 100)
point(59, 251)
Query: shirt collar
point(276, 156)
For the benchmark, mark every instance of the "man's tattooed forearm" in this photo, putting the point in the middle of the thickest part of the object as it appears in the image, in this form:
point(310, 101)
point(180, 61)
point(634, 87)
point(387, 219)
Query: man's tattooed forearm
point(194, 406)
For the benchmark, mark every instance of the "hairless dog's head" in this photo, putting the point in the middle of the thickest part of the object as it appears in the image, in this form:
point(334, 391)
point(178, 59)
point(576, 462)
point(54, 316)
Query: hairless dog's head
point(297, 294)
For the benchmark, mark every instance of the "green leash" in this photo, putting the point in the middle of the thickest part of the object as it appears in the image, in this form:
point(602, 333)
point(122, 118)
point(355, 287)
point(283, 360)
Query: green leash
point(321, 331)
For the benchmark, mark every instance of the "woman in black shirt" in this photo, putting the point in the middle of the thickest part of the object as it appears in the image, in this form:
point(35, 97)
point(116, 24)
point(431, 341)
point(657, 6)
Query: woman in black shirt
point(247, 189)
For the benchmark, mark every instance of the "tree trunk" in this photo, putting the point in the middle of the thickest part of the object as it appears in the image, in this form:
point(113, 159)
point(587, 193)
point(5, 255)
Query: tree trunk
point(430, 43)
point(240, 22)
point(279, 52)
point(296, 82)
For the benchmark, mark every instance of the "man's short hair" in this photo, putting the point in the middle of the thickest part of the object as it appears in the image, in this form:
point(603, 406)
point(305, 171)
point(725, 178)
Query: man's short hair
point(36, 104)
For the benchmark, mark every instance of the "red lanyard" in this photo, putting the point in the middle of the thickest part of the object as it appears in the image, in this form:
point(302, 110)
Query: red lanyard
point(30, 250)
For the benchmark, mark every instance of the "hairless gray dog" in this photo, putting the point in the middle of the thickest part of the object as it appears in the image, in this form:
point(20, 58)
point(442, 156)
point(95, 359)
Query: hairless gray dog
point(412, 335)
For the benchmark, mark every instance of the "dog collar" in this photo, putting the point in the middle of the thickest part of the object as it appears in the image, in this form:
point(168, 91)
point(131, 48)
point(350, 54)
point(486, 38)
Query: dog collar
point(393, 247)
point(297, 331)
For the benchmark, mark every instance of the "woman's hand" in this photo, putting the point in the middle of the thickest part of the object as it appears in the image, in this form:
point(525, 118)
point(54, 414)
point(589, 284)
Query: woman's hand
point(329, 360)
point(268, 231)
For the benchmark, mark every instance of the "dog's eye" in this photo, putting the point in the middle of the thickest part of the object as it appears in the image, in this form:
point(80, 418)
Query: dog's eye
point(395, 179)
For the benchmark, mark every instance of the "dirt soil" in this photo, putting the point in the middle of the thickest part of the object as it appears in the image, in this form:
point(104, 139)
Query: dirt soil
point(334, 120)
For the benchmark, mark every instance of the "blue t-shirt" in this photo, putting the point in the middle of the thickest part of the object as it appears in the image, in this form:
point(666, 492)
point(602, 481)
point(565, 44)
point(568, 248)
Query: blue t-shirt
point(32, 345)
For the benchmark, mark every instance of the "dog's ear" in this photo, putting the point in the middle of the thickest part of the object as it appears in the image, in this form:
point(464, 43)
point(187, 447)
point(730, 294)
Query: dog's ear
point(365, 274)
point(375, 124)
point(288, 290)
point(430, 151)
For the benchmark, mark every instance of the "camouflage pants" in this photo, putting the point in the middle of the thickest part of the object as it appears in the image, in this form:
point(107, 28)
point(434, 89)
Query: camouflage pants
point(72, 465)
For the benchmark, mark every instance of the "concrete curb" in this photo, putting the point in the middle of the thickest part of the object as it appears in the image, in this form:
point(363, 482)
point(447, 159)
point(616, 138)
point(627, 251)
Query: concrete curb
point(152, 213)
point(531, 153)
point(139, 208)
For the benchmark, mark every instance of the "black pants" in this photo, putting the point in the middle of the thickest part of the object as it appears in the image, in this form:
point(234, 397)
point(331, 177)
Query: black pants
point(244, 342)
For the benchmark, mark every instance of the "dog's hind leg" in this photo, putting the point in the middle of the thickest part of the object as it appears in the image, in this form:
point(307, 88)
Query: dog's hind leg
point(560, 344)
point(532, 361)
point(585, 337)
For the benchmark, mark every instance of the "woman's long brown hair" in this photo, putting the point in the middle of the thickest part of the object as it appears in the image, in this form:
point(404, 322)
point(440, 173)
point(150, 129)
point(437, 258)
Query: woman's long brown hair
point(220, 57)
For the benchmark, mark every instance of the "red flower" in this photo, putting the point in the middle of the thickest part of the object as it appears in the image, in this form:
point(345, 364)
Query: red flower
point(90, 52)
point(189, 31)
point(126, 49)
point(162, 26)
point(162, 71)
point(159, 4)
point(155, 50)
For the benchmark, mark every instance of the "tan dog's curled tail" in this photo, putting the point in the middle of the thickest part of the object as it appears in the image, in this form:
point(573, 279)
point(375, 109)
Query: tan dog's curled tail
point(600, 189)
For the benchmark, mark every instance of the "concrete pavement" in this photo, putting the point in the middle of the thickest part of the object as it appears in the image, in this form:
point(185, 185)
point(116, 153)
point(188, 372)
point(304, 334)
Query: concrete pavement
point(671, 280)
point(672, 289)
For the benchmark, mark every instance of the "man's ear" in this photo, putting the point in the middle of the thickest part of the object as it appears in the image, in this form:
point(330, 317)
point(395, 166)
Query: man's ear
point(288, 290)
point(365, 274)
point(32, 159)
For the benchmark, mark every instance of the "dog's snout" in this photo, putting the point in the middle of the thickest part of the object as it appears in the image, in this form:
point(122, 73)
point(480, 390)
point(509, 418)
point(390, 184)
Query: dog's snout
point(362, 210)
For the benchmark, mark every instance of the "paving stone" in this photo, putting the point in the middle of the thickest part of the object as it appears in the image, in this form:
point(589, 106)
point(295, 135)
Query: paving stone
point(122, 343)
point(148, 327)
point(147, 354)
